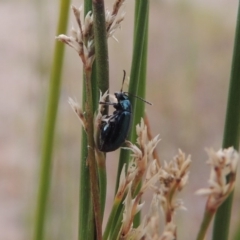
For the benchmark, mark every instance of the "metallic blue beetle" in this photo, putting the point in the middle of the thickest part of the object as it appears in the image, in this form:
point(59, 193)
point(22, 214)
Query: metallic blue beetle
point(113, 133)
point(114, 130)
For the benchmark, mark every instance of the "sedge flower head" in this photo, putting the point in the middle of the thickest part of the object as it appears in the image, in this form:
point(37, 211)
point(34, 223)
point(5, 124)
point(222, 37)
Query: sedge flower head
point(223, 165)
point(82, 38)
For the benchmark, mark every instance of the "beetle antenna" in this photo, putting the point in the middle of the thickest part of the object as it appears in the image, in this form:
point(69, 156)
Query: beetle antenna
point(124, 75)
point(139, 98)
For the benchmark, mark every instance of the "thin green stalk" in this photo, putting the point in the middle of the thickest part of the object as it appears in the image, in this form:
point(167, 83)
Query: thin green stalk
point(91, 161)
point(231, 134)
point(138, 49)
point(136, 80)
point(123, 158)
point(86, 215)
point(140, 105)
point(101, 160)
point(137, 218)
point(95, 89)
point(102, 75)
point(99, 76)
point(101, 48)
point(208, 215)
point(117, 225)
point(138, 77)
point(87, 6)
point(86, 219)
point(237, 233)
point(111, 223)
point(49, 127)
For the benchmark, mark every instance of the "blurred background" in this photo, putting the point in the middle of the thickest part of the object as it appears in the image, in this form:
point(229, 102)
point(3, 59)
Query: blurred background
point(190, 51)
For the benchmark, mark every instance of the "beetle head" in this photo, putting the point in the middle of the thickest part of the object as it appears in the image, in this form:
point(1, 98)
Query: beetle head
point(120, 96)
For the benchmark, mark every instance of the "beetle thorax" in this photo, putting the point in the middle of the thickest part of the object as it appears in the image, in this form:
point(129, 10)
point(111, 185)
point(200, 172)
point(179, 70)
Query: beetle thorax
point(123, 102)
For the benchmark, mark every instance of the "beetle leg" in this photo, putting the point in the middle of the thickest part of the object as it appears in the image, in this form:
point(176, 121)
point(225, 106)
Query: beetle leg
point(111, 118)
point(107, 103)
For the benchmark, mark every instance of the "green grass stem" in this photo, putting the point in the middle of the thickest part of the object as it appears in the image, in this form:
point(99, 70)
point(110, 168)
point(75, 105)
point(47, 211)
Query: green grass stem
point(49, 126)
point(140, 105)
point(231, 134)
point(137, 77)
point(101, 47)
point(117, 225)
point(237, 233)
point(137, 82)
point(91, 161)
point(102, 179)
point(205, 224)
point(102, 78)
point(111, 223)
point(86, 215)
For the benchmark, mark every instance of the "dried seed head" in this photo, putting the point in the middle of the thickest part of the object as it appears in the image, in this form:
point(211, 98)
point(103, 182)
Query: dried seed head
point(165, 181)
point(141, 130)
point(82, 39)
point(177, 171)
point(152, 170)
point(172, 178)
point(142, 154)
point(152, 145)
point(88, 27)
point(137, 233)
point(76, 108)
point(222, 177)
point(126, 179)
point(136, 152)
point(71, 41)
point(150, 226)
point(131, 208)
point(148, 183)
point(169, 232)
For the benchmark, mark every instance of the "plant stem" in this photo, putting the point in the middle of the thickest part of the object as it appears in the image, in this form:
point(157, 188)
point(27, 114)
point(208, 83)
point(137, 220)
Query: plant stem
point(137, 78)
point(231, 134)
point(117, 225)
point(91, 161)
point(101, 48)
point(49, 127)
point(102, 75)
point(110, 223)
point(142, 13)
point(139, 47)
point(101, 160)
point(86, 215)
point(208, 215)
point(237, 233)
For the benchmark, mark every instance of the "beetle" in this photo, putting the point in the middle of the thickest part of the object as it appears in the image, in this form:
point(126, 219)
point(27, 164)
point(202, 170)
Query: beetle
point(115, 128)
